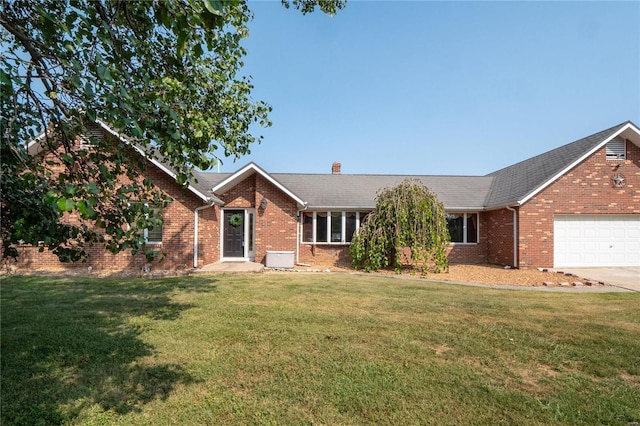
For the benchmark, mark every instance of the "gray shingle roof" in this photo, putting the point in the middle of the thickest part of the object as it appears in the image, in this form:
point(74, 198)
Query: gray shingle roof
point(359, 191)
point(515, 182)
point(347, 191)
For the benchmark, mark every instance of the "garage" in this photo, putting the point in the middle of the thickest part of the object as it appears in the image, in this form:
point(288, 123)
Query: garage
point(596, 240)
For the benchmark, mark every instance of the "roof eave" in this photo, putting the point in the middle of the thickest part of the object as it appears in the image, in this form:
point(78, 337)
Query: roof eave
point(247, 171)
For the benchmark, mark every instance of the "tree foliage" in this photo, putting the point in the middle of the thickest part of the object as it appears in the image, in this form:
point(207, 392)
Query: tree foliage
point(165, 73)
point(407, 217)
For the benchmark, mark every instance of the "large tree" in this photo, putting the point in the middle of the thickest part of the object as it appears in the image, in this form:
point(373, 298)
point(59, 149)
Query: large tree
point(164, 72)
point(408, 225)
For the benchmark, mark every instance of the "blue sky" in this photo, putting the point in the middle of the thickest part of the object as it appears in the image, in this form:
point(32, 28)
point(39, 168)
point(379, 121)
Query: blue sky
point(461, 88)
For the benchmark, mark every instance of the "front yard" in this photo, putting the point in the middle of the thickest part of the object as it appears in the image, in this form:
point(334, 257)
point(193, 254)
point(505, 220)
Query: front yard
point(313, 349)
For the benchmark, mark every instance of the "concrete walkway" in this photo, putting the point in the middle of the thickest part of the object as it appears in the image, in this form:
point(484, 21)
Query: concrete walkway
point(240, 267)
point(624, 277)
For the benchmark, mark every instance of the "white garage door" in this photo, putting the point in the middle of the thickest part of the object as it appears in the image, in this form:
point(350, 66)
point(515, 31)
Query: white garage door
point(596, 240)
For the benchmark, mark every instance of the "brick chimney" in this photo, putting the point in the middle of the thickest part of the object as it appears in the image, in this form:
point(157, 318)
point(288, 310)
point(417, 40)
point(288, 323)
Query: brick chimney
point(335, 168)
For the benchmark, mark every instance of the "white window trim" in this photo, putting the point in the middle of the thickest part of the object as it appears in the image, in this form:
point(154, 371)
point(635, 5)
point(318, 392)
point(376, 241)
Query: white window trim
point(343, 236)
point(464, 229)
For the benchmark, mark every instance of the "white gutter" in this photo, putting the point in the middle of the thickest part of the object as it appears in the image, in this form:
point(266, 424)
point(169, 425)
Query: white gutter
point(515, 236)
point(195, 231)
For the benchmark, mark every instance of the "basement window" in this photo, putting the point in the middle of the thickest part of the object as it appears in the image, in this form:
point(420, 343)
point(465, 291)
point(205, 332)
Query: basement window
point(617, 149)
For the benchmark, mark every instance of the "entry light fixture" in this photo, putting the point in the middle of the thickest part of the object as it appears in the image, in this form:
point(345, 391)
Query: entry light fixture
point(263, 204)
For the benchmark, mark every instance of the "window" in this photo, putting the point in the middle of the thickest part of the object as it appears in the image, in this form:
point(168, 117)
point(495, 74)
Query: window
point(463, 227)
point(330, 227)
point(152, 235)
point(307, 227)
point(321, 227)
point(336, 227)
point(616, 149)
point(351, 224)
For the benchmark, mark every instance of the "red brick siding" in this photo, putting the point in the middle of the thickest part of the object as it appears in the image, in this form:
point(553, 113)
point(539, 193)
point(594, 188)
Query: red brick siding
point(276, 224)
point(243, 195)
point(325, 254)
point(499, 227)
point(585, 189)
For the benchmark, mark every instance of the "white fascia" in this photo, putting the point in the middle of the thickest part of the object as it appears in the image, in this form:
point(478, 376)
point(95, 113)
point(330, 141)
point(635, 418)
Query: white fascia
point(628, 126)
point(246, 171)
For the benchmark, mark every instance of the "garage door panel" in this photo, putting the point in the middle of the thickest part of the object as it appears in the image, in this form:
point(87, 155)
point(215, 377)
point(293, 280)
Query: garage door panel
point(596, 240)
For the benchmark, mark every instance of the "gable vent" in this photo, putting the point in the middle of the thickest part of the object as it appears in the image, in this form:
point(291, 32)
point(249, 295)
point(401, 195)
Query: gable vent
point(93, 132)
point(617, 149)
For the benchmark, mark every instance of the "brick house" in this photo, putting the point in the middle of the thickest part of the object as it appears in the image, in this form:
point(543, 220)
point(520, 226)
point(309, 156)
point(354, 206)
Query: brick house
point(576, 205)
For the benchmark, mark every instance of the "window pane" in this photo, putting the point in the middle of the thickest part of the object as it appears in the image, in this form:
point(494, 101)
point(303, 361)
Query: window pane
point(472, 227)
point(363, 217)
point(250, 232)
point(336, 227)
point(321, 227)
point(350, 225)
point(307, 227)
point(455, 223)
point(154, 235)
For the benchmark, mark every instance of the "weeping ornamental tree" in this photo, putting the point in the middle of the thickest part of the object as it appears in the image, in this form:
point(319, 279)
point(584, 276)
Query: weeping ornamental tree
point(408, 219)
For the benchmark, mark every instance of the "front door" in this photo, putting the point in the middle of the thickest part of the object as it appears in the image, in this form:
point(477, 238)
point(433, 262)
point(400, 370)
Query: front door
point(233, 241)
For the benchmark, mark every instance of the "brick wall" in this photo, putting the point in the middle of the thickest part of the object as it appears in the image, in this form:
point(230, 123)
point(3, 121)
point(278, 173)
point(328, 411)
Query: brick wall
point(276, 224)
point(499, 227)
point(325, 255)
point(585, 189)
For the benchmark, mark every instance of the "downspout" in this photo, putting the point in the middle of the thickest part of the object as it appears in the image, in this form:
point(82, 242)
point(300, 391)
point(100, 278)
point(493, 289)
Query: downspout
point(195, 231)
point(298, 233)
point(515, 236)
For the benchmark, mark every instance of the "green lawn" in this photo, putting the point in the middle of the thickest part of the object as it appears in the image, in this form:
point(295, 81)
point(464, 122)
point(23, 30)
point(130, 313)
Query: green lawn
point(313, 349)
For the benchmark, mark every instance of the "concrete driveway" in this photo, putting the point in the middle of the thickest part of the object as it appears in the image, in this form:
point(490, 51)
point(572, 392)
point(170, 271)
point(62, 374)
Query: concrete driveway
point(625, 277)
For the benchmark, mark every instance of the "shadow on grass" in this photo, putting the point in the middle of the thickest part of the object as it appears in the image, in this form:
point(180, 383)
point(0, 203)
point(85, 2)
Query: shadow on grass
point(70, 345)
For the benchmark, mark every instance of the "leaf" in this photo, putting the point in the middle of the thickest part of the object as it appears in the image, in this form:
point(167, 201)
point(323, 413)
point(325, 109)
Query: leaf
point(88, 90)
point(213, 6)
point(92, 188)
point(71, 189)
point(182, 43)
point(104, 74)
point(65, 204)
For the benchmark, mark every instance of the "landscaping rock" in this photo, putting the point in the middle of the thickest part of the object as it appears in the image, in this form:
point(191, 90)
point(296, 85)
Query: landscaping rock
point(577, 284)
point(548, 284)
point(563, 284)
